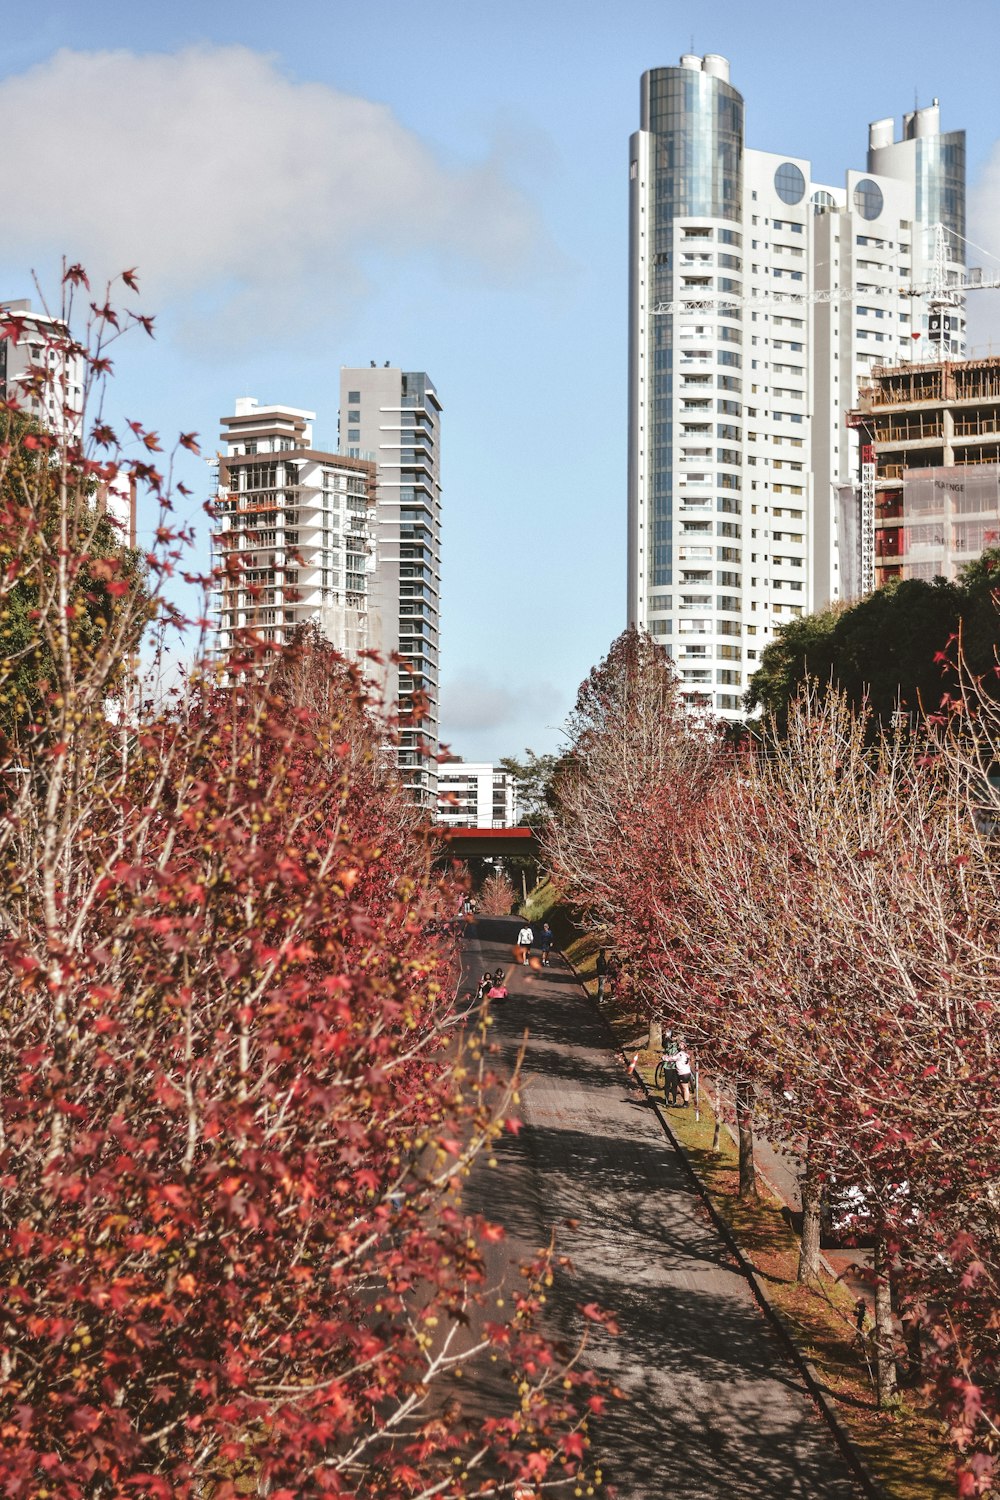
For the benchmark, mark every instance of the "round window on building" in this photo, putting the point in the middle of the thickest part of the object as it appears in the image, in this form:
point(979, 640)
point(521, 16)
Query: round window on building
point(868, 198)
point(822, 200)
point(789, 183)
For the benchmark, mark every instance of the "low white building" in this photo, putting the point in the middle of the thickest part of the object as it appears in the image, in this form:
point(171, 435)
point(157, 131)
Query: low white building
point(475, 794)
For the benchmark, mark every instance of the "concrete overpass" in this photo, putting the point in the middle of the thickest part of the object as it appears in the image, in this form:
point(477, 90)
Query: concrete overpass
point(480, 843)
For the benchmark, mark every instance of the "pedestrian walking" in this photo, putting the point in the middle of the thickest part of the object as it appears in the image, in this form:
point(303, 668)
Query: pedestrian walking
point(671, 1077)
point(525, 939)
point(545, 941)
point(602, 972)
point(613, 975)
point(682, 1062)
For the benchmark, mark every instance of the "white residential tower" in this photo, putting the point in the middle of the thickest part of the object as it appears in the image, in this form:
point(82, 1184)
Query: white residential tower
point(758, 299)
point(393, 417)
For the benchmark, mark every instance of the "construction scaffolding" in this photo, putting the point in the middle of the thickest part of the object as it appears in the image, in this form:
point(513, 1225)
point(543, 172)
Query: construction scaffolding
point(946, 518)
point(948, 382)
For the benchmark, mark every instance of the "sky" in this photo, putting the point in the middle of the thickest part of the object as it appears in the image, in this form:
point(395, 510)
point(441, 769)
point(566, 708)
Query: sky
point(330, 182)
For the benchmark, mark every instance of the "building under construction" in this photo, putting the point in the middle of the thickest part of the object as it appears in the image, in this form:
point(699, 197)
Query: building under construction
point(928, 499)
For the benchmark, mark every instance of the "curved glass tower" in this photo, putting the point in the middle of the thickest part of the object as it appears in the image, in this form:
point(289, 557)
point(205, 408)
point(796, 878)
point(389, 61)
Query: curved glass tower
point(686, 201)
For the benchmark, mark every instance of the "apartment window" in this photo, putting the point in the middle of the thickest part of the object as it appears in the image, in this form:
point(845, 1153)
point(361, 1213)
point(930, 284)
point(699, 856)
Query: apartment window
point(868, 200)
point(789, 183)
point(353, 397)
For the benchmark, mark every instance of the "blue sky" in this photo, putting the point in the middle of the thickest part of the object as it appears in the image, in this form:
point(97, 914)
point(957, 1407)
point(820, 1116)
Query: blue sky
point(442, 186)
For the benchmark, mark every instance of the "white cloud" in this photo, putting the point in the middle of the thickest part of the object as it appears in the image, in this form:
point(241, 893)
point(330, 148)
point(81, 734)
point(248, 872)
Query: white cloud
point(482, 717)
point(473, 703)
point(226, 181)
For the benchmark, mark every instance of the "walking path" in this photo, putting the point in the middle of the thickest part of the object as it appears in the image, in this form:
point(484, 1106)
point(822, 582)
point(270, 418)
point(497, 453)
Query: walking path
point(715, 1411)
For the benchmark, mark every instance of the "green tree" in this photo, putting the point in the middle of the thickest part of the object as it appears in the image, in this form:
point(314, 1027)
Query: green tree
point(532, 776)
point(894, 648)
point(104, 581)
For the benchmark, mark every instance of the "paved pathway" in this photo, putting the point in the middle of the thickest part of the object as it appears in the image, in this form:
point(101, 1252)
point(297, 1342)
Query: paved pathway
point(715, 1412)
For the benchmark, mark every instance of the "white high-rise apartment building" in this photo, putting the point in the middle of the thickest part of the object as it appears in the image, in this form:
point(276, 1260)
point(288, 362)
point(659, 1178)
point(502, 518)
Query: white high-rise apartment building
point(475, 794)
point(294, 541)
point(393, 417)
point(782, 293)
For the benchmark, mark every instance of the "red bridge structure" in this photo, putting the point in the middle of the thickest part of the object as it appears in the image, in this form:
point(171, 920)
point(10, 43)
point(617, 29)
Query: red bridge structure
point(480, 843)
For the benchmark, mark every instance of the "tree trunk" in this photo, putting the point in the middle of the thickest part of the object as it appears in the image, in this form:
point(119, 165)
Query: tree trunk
point(812, 1198)
point(717, 1132)
point(654, 1042)
point(885, 1338)
point(744, 1126)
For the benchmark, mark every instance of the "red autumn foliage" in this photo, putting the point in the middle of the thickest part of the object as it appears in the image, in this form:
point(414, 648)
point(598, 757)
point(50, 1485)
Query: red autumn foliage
point(236, 1103)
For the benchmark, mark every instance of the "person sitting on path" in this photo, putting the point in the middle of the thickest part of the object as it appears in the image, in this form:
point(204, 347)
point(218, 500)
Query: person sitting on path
point(525, 938)
point(545, 942)
point(498, 990)
point(682, 1062)
point(484, 985)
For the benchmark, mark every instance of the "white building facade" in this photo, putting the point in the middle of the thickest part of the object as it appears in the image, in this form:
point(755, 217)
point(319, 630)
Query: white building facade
point(40, 369)
point(294, 543)
point(393, 417)
point(758, 299)
point(475, 794)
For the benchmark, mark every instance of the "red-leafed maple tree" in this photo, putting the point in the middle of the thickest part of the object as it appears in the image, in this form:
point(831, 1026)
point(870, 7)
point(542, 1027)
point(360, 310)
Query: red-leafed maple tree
point(236, 1105)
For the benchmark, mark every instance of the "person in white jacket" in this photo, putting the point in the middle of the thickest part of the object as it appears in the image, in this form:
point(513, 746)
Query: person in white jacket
point(682, 1062)
point(525, 938)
